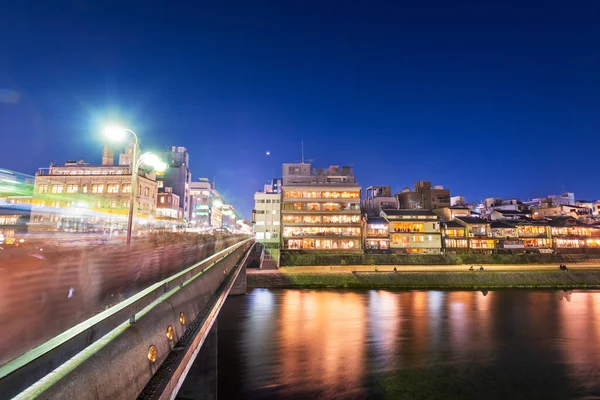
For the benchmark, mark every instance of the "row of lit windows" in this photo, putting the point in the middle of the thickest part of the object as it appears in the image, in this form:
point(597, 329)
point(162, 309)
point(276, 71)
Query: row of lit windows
point(457, 243)
point(377, 244)
point(320, 231)
point(483, 244)
point(321, 244)
point(84, 205)
point(95, 188)
point(267, 201)
point(8, 219)
point(408, 227)
point(406, 240)
point(289, 194)
point(91, 172)
point(320, 207)
point(318, 219)
point(571, 231)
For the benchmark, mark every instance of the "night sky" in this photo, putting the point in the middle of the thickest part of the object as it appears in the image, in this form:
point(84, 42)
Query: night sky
point(488, 100)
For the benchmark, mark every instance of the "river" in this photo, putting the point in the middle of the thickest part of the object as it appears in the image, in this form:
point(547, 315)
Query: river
point(336, 344)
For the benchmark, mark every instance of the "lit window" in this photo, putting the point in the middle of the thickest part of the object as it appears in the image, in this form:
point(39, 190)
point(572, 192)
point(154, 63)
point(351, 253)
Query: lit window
point(43, 189)
point(57, 188)
point(126, 188)
point(112, 188)
point(72, 188)
point(84, 189)
point(97, 188)
point(147, 192)
point(162, 200)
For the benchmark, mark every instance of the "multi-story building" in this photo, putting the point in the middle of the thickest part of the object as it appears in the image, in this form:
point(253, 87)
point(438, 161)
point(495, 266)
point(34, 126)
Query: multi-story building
point(229, 217)
point(274, 186)
point(454, 237)
point(535, 235)
point(568, 233)
point(177, 176)
point(562, 210)
point(413, 231)
point(168, 210)
point(266, 218)
point(320, 208)
point(379, 198)
point(377, 235)
point(478, 232)
point(201, 195)
point(80, 197)
point(424, 196)
point(506, 236)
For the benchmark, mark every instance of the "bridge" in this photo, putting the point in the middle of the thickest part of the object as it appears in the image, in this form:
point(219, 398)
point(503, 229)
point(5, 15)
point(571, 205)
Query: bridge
point(144, 346)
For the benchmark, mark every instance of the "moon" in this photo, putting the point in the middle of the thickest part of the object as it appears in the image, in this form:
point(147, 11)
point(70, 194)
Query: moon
point(268, 153)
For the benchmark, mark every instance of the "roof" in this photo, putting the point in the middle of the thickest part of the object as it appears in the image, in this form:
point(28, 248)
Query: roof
point(453, 224)
point(376, 220)
point(501, 225)
point(473, 220)
point(512, 212)
point(415, 212)
point(562, 221)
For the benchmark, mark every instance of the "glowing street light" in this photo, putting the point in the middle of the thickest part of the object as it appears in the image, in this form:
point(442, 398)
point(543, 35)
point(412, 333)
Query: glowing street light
point(116, 133)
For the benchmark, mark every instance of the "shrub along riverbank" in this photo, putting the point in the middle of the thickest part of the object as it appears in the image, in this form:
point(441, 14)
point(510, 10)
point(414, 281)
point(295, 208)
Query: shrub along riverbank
point(428, 280)
point(294, 259)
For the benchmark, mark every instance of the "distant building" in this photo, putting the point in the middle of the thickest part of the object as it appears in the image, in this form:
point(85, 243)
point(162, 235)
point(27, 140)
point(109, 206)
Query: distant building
point(168, 210)
point(274, 186)
point(177, 176)
point(205, 206)
point(478, 233)
point(229, 217)
point(266, 218)
point(457, 201)
point(377, 235)
point(500, 214)
point(424, 196)
point(320, 208)
point(379, 198)
point(413, 231)
point(582, 213)
point(80, 197)
point(449, 213)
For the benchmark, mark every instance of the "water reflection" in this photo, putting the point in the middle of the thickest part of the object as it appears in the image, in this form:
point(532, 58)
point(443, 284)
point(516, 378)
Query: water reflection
point(345, 344)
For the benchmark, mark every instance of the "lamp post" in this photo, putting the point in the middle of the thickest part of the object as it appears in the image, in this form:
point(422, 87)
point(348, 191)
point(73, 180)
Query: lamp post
point(116, 133)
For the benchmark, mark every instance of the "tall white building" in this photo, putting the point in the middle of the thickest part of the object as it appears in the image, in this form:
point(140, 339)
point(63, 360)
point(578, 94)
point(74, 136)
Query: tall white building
point(266, 218)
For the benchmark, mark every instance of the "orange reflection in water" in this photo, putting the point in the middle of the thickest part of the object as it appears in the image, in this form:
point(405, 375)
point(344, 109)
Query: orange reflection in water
point(321, 334)
point(580, 313)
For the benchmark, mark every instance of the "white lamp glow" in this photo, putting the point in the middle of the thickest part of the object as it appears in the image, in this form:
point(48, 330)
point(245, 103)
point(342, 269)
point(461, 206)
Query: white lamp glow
point(114, 133)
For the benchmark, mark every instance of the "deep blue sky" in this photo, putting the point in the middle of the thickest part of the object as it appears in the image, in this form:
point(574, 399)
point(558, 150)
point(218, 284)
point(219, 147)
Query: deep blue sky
point(483, 98)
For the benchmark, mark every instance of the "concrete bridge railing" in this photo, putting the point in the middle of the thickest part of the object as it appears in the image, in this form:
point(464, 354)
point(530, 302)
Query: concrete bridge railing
point(115, 354)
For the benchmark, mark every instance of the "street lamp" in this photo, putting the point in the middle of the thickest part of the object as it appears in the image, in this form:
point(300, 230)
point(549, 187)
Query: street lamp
point(116, 133)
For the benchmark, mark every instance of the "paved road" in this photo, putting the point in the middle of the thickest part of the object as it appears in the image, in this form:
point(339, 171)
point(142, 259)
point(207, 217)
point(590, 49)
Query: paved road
point(420, 268)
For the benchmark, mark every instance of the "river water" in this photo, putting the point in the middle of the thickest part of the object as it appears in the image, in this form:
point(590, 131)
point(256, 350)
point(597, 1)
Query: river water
point(336, 344)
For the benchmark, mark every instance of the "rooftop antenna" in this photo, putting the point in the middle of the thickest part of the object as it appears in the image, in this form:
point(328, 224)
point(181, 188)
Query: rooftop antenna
point(303, 152)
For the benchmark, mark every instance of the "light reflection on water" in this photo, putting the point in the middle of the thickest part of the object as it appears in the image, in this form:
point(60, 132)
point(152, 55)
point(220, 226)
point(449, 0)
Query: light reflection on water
point(418, 344)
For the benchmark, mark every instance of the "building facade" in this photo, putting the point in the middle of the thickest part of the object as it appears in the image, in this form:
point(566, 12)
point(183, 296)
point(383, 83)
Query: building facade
point(80, 197)
point(177, 176)
point(424, 196)
point(414, 231)
point(266, 218)
point(320, 209)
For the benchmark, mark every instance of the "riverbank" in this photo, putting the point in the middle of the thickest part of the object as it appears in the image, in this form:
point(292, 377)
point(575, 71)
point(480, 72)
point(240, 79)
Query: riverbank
point(296, 259)
point(531, 279)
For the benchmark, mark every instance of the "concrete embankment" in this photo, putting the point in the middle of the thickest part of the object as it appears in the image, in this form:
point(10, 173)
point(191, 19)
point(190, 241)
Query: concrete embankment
point(577, 279)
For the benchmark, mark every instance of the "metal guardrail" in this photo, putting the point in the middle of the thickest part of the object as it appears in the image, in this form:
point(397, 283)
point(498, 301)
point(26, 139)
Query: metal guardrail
point(167, 381)
point(86, 333)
